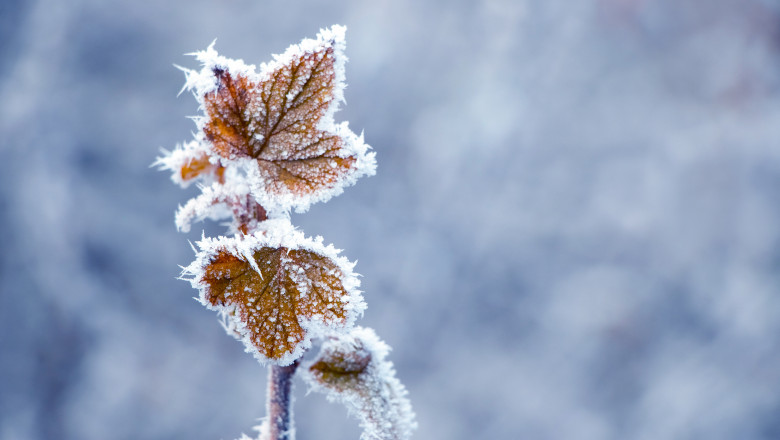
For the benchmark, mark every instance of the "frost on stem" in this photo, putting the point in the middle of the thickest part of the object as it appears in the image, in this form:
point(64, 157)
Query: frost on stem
point(276, 289)
point(352, 369)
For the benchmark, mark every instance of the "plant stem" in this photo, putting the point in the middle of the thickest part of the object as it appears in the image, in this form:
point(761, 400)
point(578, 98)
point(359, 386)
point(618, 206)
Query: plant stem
point(280, 424)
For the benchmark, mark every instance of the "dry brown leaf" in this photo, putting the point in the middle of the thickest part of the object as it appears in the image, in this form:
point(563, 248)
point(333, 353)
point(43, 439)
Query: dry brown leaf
point(275, 122)
point(292, 287)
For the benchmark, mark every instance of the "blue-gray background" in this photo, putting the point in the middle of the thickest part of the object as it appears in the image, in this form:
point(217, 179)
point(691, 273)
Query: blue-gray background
point(574, 231)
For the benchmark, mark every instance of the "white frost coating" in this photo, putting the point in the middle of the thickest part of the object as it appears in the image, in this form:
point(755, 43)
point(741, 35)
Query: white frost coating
point(204, 81)
point(263, 432)
point(209, 204)
point(334, 37)
point(175, 160)
point(375, 396)
point(277, 204)
point(277, 233)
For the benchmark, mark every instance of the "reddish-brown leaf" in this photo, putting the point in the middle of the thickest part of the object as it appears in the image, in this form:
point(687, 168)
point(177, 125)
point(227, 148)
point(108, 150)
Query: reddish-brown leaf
point(292, 288)
point(275, 121)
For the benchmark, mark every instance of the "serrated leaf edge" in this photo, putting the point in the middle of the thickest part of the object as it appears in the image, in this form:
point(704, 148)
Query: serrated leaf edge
point(276, 233)
point(277, 204)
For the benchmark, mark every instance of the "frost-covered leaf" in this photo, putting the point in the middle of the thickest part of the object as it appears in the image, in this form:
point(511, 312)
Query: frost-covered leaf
point(277, 289)
point(278, 123)
point(192, 161)
point(352, 369)
point(290, 285)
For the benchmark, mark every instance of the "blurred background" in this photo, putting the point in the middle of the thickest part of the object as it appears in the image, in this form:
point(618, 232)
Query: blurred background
point(574, 231)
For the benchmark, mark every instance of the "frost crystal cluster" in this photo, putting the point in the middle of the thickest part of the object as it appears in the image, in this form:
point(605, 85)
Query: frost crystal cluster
point(267, 143)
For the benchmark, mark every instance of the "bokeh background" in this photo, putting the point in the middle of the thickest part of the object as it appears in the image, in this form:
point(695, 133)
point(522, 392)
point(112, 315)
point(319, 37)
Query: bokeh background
point(574, 231)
